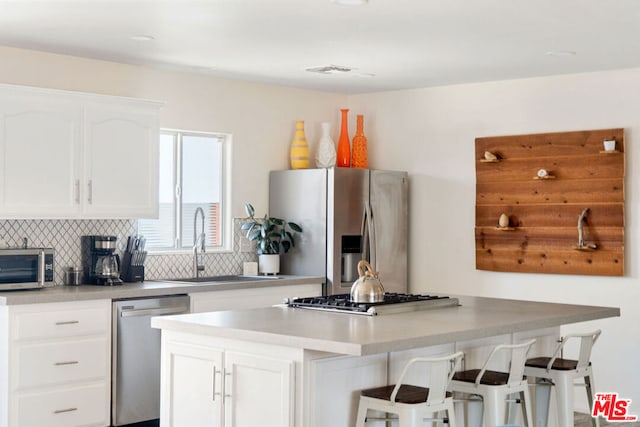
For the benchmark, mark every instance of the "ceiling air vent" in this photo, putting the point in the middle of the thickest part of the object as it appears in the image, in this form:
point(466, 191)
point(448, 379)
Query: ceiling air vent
point(330, 69)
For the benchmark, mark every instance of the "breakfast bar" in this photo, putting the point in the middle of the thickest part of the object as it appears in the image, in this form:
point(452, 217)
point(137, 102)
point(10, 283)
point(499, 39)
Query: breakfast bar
point(283, 366)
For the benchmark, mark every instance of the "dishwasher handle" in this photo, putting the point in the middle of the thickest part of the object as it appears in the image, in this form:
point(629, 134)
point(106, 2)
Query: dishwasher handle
point(154, 311)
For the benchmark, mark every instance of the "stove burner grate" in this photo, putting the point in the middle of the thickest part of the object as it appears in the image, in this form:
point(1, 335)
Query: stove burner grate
point(393, 302)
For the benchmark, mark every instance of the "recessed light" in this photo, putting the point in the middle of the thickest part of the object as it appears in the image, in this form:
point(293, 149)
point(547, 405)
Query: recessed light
point(561, 53)
point(142, 38)
point(350, 2)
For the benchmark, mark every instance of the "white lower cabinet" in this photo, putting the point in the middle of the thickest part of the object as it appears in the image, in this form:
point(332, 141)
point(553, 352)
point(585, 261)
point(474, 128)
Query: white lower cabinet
point(191, 388)
point(55, 364)
point(64, 407)
point(205, 386)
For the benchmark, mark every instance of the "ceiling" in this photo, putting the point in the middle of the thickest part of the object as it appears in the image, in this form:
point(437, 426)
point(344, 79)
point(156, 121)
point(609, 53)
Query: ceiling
point(388, 44)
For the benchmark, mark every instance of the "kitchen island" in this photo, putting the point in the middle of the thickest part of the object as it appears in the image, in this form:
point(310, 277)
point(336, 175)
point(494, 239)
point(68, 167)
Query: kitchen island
point(281, 366)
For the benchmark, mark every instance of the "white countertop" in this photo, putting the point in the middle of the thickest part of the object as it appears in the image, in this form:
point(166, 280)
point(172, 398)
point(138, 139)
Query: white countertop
point(357, 335)
point(143, 289)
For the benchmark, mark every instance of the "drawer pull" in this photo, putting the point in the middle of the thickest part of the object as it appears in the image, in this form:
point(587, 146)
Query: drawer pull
point(68, 322)
point(62, 411)
point(70, 362)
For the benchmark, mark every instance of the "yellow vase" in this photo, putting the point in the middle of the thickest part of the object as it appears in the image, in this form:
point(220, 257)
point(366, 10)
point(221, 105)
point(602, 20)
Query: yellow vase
point(299, 153)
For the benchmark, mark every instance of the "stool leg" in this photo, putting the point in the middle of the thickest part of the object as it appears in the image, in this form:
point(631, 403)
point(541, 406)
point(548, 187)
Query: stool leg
point(564, 400)
point(543, 397)
point(590, 387)
point(410, 418)
point(362, 415)
point(495, 407)
point(525, 397)
point(451, 414)
point(474, 412)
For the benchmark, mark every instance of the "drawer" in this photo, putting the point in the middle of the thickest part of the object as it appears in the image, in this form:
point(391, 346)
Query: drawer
point(45, 321)
point(62, 362)
point(68, 407)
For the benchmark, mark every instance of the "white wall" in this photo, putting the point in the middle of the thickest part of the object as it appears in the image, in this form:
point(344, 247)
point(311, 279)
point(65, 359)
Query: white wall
point(431, 132)
point(260, 117)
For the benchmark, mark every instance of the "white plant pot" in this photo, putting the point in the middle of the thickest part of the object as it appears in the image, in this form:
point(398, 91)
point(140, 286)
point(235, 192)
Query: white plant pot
point(269, 264)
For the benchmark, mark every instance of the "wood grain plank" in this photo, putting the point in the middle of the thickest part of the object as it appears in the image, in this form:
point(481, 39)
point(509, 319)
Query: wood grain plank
point(552, 215)
point(549, 144)
point(601, 263)
point(593, 166)
point(550, 192)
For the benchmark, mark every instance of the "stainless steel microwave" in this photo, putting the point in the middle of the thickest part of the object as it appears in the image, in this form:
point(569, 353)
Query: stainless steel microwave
point(29, 268)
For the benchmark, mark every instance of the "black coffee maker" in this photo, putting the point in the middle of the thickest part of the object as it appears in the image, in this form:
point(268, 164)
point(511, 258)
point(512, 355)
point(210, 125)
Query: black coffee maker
point(99, 260)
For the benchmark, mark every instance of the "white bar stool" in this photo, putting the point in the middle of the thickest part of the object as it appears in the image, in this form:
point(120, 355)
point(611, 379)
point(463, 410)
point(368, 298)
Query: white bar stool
point(413, 404)
point(495, 387)
point(562, 373)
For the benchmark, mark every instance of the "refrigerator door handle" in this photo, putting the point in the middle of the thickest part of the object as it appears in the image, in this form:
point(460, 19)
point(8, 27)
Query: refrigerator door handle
point(372, 237)
point(364, 232)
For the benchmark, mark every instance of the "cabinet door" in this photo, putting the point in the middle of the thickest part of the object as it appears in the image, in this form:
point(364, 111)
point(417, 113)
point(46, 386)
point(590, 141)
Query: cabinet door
point(191, 386)
point(259, 391)
point(121, 162)
point(39, 154)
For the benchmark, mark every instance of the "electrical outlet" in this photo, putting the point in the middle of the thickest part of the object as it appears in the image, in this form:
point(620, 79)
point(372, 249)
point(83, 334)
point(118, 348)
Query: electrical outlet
point(246, 245)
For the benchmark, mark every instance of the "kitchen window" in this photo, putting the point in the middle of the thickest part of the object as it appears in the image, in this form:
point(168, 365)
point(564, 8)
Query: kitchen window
point(193, 173)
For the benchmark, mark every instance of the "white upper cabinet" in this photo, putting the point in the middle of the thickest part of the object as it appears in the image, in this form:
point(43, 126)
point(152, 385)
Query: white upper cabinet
point(121, 162)
point(40, 141)
point(74, 155)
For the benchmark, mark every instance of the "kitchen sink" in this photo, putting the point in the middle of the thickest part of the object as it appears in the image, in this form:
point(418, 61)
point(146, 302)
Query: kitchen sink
point(230, 278)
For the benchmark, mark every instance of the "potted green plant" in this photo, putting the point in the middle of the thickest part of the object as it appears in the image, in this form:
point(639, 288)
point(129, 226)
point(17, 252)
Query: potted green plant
point(273, 236)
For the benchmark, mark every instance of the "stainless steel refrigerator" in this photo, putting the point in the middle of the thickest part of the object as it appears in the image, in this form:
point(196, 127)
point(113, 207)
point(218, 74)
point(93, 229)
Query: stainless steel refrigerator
point(346, 215)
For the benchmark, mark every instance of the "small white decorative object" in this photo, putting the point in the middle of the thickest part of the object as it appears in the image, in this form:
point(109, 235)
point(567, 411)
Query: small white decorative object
point(542, 173)
point(503, 221)
point(250, 269)
point(326, 155)
point(488, 155)
point(610, 145)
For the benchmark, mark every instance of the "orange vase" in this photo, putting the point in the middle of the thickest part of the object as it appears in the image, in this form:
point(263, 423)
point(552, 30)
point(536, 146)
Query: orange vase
point(344, 150)
point(359, 146)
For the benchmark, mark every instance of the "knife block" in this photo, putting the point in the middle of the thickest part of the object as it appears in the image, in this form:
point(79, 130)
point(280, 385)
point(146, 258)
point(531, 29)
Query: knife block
point(129, 272)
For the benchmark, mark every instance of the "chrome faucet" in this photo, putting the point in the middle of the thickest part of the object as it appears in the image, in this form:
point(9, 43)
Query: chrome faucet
point(199, 240)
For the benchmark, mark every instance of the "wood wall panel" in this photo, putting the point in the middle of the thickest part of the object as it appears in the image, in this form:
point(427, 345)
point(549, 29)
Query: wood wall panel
point(543, 214)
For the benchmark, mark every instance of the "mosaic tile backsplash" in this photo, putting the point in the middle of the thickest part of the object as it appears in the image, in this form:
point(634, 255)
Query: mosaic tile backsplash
point(64, 237)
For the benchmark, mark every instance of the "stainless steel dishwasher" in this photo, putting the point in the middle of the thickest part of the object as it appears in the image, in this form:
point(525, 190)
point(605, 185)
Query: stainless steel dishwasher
point(135, 376)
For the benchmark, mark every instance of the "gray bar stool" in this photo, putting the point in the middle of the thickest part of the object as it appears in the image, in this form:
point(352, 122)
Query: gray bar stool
point(412, 404)
point(496, 387)
point(562, 373)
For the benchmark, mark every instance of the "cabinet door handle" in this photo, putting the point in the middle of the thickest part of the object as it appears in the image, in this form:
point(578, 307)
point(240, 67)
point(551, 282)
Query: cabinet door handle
point(62, 411)
point(76, 192)
point(90, 191)
point(70, 362)
point(227, 375)
point(67, 322)
point(215, 393)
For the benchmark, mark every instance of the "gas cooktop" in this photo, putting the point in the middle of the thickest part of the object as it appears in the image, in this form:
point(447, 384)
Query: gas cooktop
point(393, 303)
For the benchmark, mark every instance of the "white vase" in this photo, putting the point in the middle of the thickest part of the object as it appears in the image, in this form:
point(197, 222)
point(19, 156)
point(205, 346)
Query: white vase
point(326, 155)
point(269, 264)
